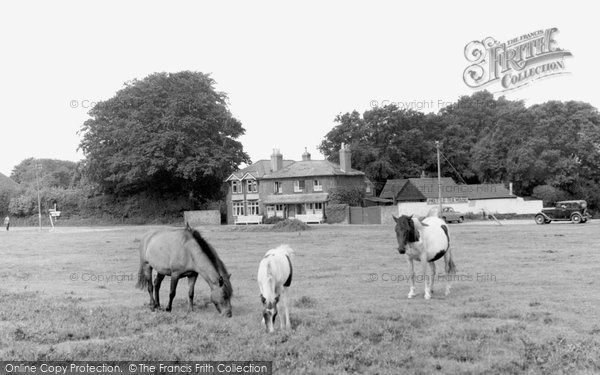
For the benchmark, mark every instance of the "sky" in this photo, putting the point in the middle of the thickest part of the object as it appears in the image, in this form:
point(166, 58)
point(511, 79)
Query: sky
point(289, 68)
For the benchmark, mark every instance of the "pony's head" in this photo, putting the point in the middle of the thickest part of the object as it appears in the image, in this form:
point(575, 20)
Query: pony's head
point(269, 313)
point(221, 290)
point(221, 295)
point(405, 232)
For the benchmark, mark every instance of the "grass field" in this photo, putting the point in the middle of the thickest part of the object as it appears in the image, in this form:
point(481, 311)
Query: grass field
point(528, 302)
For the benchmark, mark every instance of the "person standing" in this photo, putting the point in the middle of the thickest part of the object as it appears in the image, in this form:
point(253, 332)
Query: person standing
point(7, 222)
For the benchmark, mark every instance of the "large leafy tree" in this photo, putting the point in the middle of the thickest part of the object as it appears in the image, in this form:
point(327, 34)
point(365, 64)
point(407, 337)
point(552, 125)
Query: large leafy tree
point(386, 142)
point(169, 133)
point(51, 173)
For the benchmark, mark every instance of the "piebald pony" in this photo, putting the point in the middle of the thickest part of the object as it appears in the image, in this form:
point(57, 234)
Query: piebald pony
point(426, 242)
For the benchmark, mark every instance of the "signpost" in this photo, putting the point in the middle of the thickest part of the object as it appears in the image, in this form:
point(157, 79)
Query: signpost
point(38, 167)
point(437, 147)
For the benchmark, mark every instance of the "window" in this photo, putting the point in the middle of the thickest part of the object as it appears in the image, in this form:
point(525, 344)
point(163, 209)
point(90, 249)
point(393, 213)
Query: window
point(298, 186)
point(278, 187)
point(238, 209)
point(313, 208)
point(251, 186)
point(253, 208)
point(368, 189)
point(236, 187)
point(275, 210)
point(317, 185)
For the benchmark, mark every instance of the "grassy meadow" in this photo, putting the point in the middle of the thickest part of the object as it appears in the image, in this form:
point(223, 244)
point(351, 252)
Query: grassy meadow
point(526, 301)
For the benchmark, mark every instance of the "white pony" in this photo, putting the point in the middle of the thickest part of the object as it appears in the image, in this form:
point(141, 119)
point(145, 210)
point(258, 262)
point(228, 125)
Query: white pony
point(274, 279)
point(425, 241)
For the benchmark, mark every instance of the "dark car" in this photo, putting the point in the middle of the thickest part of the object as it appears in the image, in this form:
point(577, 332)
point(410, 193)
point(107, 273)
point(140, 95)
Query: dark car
point(575, 211)
point(449, 215)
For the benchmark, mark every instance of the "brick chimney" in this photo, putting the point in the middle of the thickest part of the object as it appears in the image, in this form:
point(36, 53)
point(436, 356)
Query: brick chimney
point(345, 159)
point(276, 160)
point(305, 155)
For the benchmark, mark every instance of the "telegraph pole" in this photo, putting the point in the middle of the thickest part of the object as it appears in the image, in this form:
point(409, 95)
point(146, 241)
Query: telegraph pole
point(437, 147)
point(38, 167)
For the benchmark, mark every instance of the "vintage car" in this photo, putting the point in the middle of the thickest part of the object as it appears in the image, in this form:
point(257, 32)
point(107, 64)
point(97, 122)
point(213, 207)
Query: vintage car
point(575, 211)
point(449, 215)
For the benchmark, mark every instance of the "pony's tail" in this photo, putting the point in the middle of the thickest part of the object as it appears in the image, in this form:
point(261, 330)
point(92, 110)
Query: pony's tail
point(450, 266)
point(142, 282)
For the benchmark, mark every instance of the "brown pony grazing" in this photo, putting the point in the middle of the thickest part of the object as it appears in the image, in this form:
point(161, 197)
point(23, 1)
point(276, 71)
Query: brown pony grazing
point(183, 253)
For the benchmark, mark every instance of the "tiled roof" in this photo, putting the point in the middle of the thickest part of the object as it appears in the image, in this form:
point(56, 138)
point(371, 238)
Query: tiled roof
point(259, 169)
point(295, 198)
point(392, 187)
point(488, 191)
point(432, 181)
point(421, 189)
point(309, 168)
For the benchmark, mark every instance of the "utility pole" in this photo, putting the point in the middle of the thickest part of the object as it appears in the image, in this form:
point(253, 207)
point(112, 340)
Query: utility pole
point(437, 147)
point(38, 167)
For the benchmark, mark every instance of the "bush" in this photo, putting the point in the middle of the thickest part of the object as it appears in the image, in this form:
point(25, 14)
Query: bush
point(549, 194)
point(290, 225)
point(352, 196)
point(336, 213)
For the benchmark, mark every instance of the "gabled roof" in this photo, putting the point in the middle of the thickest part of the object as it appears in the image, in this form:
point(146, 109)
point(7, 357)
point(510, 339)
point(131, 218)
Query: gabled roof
point(257, 170)
point(311, 168)
point(392, 187)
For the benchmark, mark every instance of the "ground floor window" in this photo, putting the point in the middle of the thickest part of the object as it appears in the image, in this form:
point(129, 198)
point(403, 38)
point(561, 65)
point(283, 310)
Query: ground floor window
point(238, 209)
point(275, 210)
point(313, 208)
point(253, 208)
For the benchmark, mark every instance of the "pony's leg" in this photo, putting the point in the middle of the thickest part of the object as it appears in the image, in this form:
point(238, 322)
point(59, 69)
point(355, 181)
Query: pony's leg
point(148, 276)
point(174, 280)
point(432, 264)
point(191, 284)
point(448, 273)
point(286, 318)
point(425, 277)
point(411, 292)
point(157, 281)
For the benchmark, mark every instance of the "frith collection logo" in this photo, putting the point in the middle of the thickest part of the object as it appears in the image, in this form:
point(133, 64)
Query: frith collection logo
point(515, 63)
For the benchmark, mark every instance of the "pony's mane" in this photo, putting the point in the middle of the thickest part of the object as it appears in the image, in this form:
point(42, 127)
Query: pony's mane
point(214, 259)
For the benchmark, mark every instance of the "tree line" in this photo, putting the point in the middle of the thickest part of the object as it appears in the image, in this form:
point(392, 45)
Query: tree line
point(550, 151)
point(167, 142)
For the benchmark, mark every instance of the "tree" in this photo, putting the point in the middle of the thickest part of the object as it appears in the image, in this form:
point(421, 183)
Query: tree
point(386, 142)
point(52, 173)
point(352, 196)
point(169, 133)
point(484, 140)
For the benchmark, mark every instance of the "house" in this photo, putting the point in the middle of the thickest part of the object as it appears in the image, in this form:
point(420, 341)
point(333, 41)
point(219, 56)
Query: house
point(290, 189)
point(418, 195)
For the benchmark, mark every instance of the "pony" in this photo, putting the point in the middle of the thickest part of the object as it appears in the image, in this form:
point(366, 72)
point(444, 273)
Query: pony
point(274, 279)
point(425, 241)
point(183, 253)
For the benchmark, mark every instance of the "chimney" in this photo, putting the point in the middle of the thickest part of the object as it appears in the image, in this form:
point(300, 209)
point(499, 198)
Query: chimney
point(276, 160)
point(510, 188)
point(305, 155)
point(345, 160)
